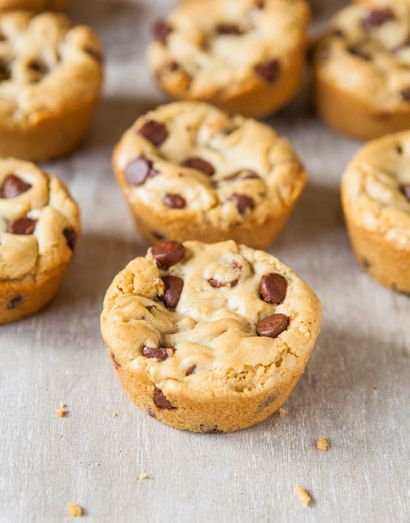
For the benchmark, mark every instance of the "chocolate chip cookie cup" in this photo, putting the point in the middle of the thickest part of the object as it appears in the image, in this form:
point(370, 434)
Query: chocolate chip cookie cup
point(39, 225)
point(189, 171)
point(50, 80)
point(33, 5)
point(245, 56)
point(362, 70)
point(376, 203)
point(209, 338)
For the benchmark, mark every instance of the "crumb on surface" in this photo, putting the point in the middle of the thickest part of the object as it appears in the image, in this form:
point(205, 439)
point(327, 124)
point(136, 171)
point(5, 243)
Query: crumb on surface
point(322, 444)
point(75, 510)
point(282, 412)
point(143, 475)
point(114, 414)
point(303, 495)
point(62, 411)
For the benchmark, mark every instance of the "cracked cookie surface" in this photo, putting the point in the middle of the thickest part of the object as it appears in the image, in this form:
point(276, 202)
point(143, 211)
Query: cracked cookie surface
point(39, 225)
point(209, 337)
point(189, 171)
point(245, 56)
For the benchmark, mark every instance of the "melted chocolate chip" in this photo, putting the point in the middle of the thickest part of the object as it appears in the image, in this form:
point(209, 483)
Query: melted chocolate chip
point(153, 131)
point(195, 162)
point(228, 29)
point(168, 253)
point(405, 189)
point(13, 186)
point(172, 292)
point(272, 325)
point(190, 370)
point(269, 71)
point(4, 71)
point(138, 170)
point(14, 302)
point(161, 401)
point(217, 284)
point(70, 236)
point(161, 30)
point(273, 288)
point(115, 362)
point(405, 94)
point(399, 149)
point(174, 201)
point(160, 353)
point(243, 203)
point(377, 18)
point(22, 225)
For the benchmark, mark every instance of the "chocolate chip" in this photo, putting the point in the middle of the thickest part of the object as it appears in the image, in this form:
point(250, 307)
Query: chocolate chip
point(358, 53)
point(161, 401)
point(70, 237)
point(243, 203)
point(174, 201)
point(195, 162)
point(4, 71)
point(22, 225)
point(273, 288)
point(228, 29)
point(272, 325)
point(95, 54)
point(153, 131)
point(14, 302)
point(160, 353)
point(269, 71)
point(217, 284)
point(405, 189)
point(115, 362)
point(190, 370)
point(377, 17)
point(168, 253)
point(38, 68)
point(405, 94)
point(13, 186)
point(366, 263)
point(138, 170)
point(172, 292)
point(161, 30)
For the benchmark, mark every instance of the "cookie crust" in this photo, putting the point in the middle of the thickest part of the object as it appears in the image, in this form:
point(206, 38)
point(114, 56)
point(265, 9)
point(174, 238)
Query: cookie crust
point(208, 176)
point(33, 5)
point(201, 365)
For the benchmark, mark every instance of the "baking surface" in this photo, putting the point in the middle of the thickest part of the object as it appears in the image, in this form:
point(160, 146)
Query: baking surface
point(355, 391)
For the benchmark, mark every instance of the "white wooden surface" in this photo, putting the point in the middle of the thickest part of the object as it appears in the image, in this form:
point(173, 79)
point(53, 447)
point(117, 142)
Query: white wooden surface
point(93, 459)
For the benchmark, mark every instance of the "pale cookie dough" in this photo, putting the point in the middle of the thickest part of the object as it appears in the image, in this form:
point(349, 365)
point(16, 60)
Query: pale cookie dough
point(50, 80)
point(39, 225)
point(362, 70)
point(33, 5)
point(191, 172)
point(245, 56)
point(209, 338)
point(376, 202)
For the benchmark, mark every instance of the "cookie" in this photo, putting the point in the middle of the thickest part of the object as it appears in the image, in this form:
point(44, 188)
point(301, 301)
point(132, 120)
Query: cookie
point(209, 337)
point(245, 56)
point(50, 80)
point(376, 203)
point(33, 5)
point(39, 226)
point(191, 172)
point(362, 70)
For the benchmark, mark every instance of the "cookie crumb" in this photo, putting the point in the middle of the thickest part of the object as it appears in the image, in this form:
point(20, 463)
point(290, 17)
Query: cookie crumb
point(282, 412)
point(75, 510)
point(303, 495)
point(114, 414)
point(375, 388)
point(62, 410)
point(143, 475)
point(322, 444)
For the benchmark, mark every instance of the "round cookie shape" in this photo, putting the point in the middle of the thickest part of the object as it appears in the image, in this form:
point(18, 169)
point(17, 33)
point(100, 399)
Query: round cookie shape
point(191, 172)
point(376, 203)
point(245, 56)
point(33, 5)
point(39, 226)
point(224, 355)
point(362, 70)
point(50, 80)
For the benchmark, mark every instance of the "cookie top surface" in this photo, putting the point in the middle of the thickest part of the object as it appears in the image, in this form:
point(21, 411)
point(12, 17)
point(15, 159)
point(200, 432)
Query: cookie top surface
point(222, 47)
point(189, 157)
point(47, 65)
point(212, 318)
point(35, 5)
point(366, 50)
point(39, 222)
point(376, 187)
